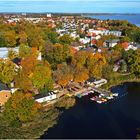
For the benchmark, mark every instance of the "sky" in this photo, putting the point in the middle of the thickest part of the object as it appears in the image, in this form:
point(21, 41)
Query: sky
point(71, 6)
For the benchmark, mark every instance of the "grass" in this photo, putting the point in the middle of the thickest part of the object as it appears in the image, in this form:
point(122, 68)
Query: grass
point(117, 79)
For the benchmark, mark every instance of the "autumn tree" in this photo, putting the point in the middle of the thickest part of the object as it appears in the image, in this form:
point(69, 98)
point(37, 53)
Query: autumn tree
point(12, 54)
point(56, 54)
point(10, 38)
point(95, 64)
point(81, 74)
point(7, 71)
point(51, 35)
point(63, 75)
point(23, 82)
point(42, 77)
point(23, 38)
point(21, 108)
point(24, 51)
point(134, 62)
point(65, 39)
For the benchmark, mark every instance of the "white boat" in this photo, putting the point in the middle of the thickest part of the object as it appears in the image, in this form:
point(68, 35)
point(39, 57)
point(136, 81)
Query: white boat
point(115, 94)
point(91, 91)
point(109, 97)
point(99, 102)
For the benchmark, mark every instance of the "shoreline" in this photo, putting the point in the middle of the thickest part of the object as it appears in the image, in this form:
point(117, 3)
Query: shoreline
point(111, 86)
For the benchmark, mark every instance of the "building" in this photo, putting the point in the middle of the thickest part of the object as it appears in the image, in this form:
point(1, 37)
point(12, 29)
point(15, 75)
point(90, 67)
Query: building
point(111, 43)
point(41, 98)
point(4, 52)
point(5, 94)
point(49, 15)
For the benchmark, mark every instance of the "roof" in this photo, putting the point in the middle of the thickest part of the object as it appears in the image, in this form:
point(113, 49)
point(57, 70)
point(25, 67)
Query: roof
point(4, 96)
point(125, 45)
point(38, 96)
point(17, 60)
point(4, 51)
point(92, 79)
point(3, 87)
point(112, 41)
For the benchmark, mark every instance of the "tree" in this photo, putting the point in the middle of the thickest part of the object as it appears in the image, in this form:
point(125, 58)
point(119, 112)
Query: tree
point(95, 64)
point(7, 71)
point(125, 39)
point(80, 58)
point(65, 39)
point(23, 82)
point(21, 107)
point(2, 39)
point(51, 35)
point(24, 51)
point(10, 38)
point(57, 54)
point(28, 63)
point(42, 77)
point(123, 66)
point(81, 74)
point(12, 54)
point(23, 38)
point(134, 62)
point(63, 75)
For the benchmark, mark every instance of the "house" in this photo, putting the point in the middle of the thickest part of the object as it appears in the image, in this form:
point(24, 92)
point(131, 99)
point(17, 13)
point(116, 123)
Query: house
point(84, 40)
point(49, 96)
point(49, 15)
point(111, 43)
point(5, 94)
point(99, 83)
point(4, 52)
point(91, 81)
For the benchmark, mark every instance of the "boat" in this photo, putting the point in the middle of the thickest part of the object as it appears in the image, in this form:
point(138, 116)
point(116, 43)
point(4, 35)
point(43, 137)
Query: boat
point(109, 97)
point(115, 94)
point(99, 102)
point(85, 93)
point(69, 95)
point(93, 98)
point(79, 95)
point(91, 91)
point(104, 100)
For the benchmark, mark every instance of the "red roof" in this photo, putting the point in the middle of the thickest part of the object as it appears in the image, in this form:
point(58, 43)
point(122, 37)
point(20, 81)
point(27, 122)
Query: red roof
point(73, 50)
point(125, 45)
point(94, 42)
point(91, 34)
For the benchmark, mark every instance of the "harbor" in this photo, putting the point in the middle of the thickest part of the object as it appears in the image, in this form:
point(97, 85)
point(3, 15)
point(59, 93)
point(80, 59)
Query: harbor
point(98, 95)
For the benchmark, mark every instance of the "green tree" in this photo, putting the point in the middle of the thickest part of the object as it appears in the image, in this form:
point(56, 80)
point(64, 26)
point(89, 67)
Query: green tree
point(65, 39)
point(12, 54)
point(10, 38)
point(21, 107)
point(24, 51)
point(56, 54)
point(42, 77)
point(7, 71)
point(134, 62)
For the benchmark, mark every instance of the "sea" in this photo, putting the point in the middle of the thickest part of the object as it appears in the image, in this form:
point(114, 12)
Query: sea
point(132, 18)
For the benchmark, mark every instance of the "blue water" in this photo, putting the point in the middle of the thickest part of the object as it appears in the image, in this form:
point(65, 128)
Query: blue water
point(117, 119)
point(72, 6)
point(134, 19)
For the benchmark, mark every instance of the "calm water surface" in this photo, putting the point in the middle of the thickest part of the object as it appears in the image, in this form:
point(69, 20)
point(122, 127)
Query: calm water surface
point(117, 119)
point(134, 19)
